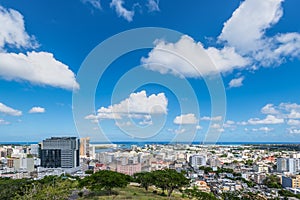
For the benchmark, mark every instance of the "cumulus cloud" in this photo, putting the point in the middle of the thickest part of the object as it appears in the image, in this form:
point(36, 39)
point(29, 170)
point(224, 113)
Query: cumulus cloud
point(242, 44)
point(216, 118)
point(121, 10)
point(180, 130)
point(39, 68)
point(246, 28)
point(251, 39)
point(137, 105)
point(189, 58)
point(237, 82)
point(13, 32)
point(35, 67)
point(293, 130)
point(283, 110)
point(293, 122)
point(153, 5)
point(270, 119)
point(3, 122)
point(37, 109)
point(95, 3)
point(263, 129)
point(269, 109)
point(185, 119)
point(9, 111)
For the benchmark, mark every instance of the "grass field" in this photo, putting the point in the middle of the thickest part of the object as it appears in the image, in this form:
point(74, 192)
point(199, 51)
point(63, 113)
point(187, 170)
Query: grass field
point(132, 192)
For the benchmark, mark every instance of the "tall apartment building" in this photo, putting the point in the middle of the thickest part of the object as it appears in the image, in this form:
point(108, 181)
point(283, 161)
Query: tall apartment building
point(197, 160)
point(85, 147)
point(282, 165)
point(291, 165)
point(60, 152)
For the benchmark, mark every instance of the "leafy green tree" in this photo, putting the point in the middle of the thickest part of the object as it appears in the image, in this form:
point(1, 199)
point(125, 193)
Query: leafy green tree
point(272, 181)
point(9, 188)
point(144, 178)
point(169, 179)
point(105, 180)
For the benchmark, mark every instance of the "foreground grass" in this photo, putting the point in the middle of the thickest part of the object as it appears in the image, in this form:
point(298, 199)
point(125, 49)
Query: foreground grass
point(132, 192)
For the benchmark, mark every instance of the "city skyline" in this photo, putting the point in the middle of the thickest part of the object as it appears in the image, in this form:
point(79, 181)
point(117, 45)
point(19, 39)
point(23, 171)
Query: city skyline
point(254, 46)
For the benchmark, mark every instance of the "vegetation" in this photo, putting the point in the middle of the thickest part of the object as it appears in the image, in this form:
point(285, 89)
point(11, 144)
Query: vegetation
point(169, 179)
point(272, 181)
point(195, 193)
point(146, 179)
point(105, 181)
point(51, 187)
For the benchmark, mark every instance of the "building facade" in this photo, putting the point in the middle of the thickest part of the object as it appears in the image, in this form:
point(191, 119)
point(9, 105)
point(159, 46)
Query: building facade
point(60, 152)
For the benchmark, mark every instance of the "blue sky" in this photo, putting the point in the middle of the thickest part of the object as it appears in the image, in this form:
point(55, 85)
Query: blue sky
point(251, 48)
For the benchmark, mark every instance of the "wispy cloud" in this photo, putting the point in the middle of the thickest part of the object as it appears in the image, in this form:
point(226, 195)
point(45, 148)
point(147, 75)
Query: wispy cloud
point(153, 5)
point(95, 3)
point(121, 10)
point(9, 111)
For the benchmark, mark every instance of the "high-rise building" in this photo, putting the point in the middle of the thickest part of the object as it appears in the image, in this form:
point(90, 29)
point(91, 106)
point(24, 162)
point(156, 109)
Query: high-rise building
point(60, 152)
point(282, 164)
point(291, 165)
point(85, 147)
point(197, 160)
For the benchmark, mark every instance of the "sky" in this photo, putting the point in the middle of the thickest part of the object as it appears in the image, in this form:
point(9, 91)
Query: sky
point(206, 71)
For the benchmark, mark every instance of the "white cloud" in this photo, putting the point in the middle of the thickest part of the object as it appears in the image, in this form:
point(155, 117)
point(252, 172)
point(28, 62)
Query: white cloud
point(293, 122)
point(137, 105)
point(185, 119)
point(153, 5)
point(3, 122)
point(198, 127)
point(216, 126)
point(243, 45)
point(269, 109)
point(237, 82)
point(293, 130)
point(38, 68)
point(121, 11)
point(95, 3)
point(13, 32)
point(37, 109)
point(270, 119)
point(216, 118)
point(289, 106)
point(177, 58)
point(246, 28)
point(243, 123)
point(227, 59)
point(250, 40)
point(294, 114)
point(263, 129)
point(180, 131)
point(230, 124)
point(9, 111)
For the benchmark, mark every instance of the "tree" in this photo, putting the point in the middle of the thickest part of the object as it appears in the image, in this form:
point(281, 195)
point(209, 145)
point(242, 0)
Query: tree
point(106, 180)
point(169, 179)
point(144, 178)
point(272, 181)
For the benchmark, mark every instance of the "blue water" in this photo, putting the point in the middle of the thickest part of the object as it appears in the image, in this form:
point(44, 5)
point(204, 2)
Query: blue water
point(128, 144)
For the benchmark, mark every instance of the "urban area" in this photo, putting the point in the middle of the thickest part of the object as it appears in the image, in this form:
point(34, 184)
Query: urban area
point(204, 171)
